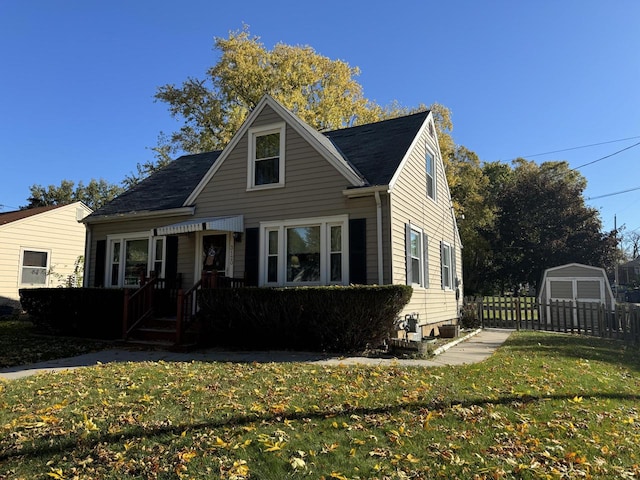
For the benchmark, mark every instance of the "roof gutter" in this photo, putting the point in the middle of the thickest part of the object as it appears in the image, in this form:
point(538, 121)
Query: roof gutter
point(173, 212)
point(365, 191)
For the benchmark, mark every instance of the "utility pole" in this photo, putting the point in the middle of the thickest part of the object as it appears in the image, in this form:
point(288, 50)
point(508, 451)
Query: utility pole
point(615, 261)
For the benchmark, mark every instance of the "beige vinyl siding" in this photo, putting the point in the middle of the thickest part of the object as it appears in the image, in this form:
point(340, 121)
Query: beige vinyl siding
point(313, 188)
point(55, 231)
point(410, 204)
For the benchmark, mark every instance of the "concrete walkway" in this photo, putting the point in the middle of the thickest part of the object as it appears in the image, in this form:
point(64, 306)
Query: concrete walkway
point(471, 348)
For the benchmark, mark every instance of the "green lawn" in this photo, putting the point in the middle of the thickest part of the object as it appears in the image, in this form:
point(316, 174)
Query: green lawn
point(544, 406)
point(20, 345)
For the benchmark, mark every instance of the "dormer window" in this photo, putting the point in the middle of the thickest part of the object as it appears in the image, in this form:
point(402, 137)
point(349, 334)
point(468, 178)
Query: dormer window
point(266, 157)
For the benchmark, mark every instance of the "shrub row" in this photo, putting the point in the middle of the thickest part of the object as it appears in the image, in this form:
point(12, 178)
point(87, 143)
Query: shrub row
point(79, 312)
point(332, 319)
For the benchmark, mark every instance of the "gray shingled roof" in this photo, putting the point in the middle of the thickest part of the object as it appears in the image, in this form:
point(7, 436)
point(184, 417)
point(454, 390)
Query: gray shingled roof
point(375, 150)
point(167, 188)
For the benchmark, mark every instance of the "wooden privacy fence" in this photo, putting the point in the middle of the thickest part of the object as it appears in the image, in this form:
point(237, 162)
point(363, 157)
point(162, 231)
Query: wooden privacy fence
point(586, 318)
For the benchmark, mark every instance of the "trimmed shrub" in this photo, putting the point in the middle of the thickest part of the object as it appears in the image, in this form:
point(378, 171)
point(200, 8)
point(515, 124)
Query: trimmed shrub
point(77, 312)
point(333, 319)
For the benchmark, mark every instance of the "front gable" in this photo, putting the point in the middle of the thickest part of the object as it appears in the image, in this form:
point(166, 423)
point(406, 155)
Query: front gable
point(271, 119)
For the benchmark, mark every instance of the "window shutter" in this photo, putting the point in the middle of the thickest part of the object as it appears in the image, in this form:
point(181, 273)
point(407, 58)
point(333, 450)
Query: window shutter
point(358, 251)
point(171, 268)
point(425, 259)
point(407, 245)
point(251, 256)
point(101, 257)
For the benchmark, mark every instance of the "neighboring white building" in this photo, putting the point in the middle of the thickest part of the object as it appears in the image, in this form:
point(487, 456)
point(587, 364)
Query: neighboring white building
point(40, 247)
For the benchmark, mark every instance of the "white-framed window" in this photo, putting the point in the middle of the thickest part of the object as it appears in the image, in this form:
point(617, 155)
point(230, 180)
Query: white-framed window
point(34, 266)
point(132, 256)
point(304, 252)
point(265, 167)
point(446, 265)
point(417, 244)
point(430, 168)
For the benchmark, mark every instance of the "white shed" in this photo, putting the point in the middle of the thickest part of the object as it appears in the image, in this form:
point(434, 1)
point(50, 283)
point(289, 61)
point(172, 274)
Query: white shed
point(580, 285)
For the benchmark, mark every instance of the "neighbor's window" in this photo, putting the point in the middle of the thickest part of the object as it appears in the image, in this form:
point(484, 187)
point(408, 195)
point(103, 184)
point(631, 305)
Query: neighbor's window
point(431, 176)
point(266, 157)
point(34, 267)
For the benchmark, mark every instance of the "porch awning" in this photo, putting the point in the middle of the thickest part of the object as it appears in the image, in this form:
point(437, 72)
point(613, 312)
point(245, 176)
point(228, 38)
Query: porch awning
point(224, 224)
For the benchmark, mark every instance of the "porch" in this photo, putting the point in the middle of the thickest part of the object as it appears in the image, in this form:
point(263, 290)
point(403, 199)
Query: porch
point(161, 313)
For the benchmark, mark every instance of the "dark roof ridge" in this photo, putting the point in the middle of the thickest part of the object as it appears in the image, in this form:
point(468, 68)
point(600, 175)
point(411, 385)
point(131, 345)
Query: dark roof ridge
point(377, 122)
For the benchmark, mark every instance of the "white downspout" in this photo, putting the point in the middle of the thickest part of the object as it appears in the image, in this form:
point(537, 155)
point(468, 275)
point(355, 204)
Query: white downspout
point(87, 249)
point(379, 231)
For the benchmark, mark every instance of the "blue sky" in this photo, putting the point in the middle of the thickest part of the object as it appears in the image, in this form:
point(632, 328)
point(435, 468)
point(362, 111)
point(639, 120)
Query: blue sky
point(521, 78)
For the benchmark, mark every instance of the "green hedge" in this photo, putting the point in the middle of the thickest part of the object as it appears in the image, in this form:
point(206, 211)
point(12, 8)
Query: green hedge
point(78, 312)
point(332, 319)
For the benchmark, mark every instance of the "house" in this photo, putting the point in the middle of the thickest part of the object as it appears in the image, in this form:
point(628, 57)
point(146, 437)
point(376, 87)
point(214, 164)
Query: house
point(584, 287)
point(40, 247)
point(629, 272)
point(285, 205)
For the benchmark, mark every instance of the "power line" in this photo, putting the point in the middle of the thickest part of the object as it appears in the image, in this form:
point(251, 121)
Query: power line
point(581, 146)
point(612, 194)
point(607, 156)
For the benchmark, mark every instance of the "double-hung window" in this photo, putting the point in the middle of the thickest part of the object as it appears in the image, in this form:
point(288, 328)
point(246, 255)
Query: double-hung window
point(34, 267)
point(304, 252)
point(430, 167)
point(134, 256)
point(266, 157)
point(417, 244)
point(446, 265)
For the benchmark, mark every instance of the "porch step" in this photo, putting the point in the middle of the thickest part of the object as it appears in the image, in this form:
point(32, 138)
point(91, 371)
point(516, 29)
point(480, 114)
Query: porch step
point(159, 345)
point(161, 332)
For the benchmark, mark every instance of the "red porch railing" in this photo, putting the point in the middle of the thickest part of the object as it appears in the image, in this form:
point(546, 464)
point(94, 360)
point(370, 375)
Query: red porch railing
point(138, 305)
point(188, 301)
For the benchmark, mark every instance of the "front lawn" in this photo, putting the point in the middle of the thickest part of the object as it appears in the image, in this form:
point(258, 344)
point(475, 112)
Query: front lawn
point(544, 406)
point(20, 344)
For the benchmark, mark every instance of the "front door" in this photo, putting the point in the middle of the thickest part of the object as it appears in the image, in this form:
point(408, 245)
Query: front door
point(214, 253)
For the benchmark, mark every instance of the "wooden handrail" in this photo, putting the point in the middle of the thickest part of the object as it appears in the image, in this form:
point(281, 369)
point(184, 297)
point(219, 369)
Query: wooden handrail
point(138, 306)
point(184, 314)
point(188, 301)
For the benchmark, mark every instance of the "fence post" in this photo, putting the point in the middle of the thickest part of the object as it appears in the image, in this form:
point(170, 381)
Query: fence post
point(518, 314)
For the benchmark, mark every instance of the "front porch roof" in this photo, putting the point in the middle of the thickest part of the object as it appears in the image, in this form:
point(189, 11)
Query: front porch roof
point(224, 224)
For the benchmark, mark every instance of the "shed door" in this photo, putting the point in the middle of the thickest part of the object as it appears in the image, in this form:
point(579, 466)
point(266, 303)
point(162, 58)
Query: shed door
point(581, 292)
